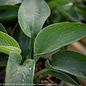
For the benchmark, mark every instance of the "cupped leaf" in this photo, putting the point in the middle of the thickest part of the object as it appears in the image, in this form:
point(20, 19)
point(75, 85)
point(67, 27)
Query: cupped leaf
point(32, 15)
point(58, 35)
point(8, 44)
point(16, 74)
point(8, 12)
point(2, 28)
point(10, 2)
point(70, 62)
point(22, 40)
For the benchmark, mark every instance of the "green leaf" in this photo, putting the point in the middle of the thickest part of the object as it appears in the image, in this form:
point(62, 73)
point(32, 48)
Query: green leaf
point(10, 2)
point(32, 15)
point(3, 59)
point(22, 40)
point(81, 9)
point(65, 14)
point(58, 35)
point(66, 4)
point(8, 44)
point(74, 14)
point(22, 75)
point(71, 62)
point(2, 28)
point(61, 75)
point(8, 12)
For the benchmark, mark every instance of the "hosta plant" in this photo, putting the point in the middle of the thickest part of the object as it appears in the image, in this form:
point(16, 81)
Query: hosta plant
point(31, 40)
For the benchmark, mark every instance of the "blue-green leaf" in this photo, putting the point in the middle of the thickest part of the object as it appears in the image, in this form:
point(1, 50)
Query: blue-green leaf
point(22, 75)
point(70, 62)
point(58, 35)
point(32, 15)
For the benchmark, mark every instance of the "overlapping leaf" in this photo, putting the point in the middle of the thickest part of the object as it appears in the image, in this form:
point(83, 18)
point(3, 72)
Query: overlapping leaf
point(8, 44)
point(22, 39)
point(16, 74)
point(81, 9)
point(58, 35)
point(3, 59)
point(2, 28)
point(8, 12)
point(60, 75)
point(70, 62)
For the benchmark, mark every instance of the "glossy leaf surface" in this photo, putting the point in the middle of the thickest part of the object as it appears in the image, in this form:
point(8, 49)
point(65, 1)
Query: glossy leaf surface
point(19, 74)
point(8, 44)
point(32, 15)
point(71, 62)
point(58, 35)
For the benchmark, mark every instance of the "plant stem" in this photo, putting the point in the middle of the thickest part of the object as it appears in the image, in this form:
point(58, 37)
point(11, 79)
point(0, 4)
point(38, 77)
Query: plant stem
point(31, 54)
point(32, 47)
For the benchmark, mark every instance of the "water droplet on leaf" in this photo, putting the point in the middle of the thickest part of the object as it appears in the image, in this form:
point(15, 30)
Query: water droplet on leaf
point(23, 80)
point(30, 68)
